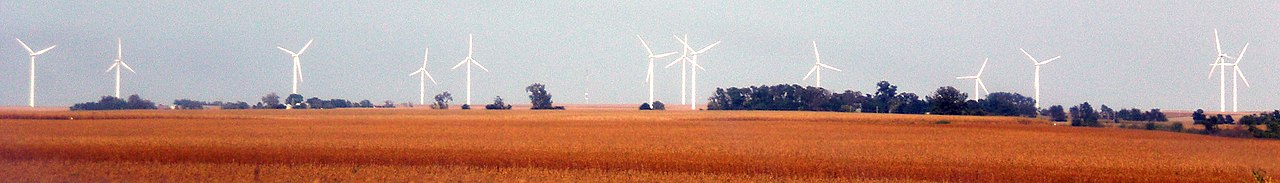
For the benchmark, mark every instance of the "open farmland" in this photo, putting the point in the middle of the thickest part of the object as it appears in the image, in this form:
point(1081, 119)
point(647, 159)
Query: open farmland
point(673, 146)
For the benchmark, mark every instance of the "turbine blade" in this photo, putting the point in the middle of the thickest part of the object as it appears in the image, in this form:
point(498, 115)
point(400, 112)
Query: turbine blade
point(967, 77)
point(113, 66)
point(433, 79)
point(663, 55)
point(470, 46)
point(1213, 68)
point(816, 58)
point(304, 47)
point(806, 76)
point(1241, 73)
point(648, 75)
point(24, 45)
point(699, 66)
point(286, 50)
point(415, 72)
point(425, 53)
point(984, 67)
point(646, 45)
point(126, 66)
point(298, 71)
point(829, 67)
point(1216, 42)
point(44, 50)
point(1241, 57)
point(1033, 59)
point(673, 62)
point(704, 49)
point(1050, 60)
point(478, 65)
point(464, 61)
point(119, 49)
point(984, 86)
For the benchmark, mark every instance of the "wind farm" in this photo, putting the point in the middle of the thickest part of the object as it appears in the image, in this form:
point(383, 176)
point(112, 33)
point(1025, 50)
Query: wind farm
point(885, 94)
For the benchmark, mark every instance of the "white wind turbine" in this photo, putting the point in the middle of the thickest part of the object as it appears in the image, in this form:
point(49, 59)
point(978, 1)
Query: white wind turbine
point(684, 62)
point(118, 64)
point(422, 82)
point(297, 65)
point(693, 70)
point(468, 61)
point(1219, 62)
point(817, 67)
point(31, 98)
point(977, 80)
point(1235, 77)
point(649, 76)
point(1037, 64)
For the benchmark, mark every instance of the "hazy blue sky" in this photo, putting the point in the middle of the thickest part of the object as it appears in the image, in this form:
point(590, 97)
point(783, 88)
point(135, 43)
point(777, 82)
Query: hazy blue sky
point(1124, 54)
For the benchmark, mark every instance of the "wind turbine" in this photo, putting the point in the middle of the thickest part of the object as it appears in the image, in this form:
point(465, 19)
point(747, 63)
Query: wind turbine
point(817, 67)
point(649, 76)
point(31, 99)
point(468, 61)
point(118, 64)
point(693, 71)
point(977, 80)
point(422, 83)
point(684, 62)
point(297, 65)
point(1037, 63)
point(1238, 75)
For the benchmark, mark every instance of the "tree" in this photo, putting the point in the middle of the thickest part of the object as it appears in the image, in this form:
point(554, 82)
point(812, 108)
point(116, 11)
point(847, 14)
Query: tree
point(136, 102)
point(645, 106)
point(539, 97)
point(885, 97)
point(1056, 113)
point(442, 100)
point(1106, 112)
point(1084, 115)
point(911, 104)
point(293, 101)
point(1210, 124)
point(1009, 104)
point(497, 104)
point(271, 99)
point(948, 101)
point(366, 103)
point(657, 105)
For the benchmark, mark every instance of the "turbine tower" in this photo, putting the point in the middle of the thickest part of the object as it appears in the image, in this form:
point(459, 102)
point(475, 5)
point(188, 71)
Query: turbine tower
point(1037, 64)
point(1220, 59)
point(118, 64)
point(693, 71)
point(1235, 77)
point(422, 82)
point(31, 98)
point(977, 80)
point(649, 76)
point(468, 61)
point(817, 67)
point(297, 65)
point(684, 62)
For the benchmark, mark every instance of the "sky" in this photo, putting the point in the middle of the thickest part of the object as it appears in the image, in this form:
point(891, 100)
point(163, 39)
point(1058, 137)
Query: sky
point(1145, 54)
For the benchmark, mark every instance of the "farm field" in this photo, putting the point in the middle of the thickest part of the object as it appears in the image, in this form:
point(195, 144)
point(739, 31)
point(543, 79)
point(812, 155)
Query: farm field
point(403, 145)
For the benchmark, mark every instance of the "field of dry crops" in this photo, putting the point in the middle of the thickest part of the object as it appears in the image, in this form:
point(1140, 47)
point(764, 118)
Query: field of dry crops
point(400, 145)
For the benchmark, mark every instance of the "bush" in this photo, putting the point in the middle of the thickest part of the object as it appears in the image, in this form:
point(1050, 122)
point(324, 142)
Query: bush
point(943, 122)
point(1176, 127)
point(1150, 126)
point(645, 107)
point(498, 105)
point(466, 107)
point(658, 105)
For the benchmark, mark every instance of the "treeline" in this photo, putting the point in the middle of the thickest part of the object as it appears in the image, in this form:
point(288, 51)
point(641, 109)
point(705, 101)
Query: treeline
point(113, 103)
point(273, 101)
point(886, 99)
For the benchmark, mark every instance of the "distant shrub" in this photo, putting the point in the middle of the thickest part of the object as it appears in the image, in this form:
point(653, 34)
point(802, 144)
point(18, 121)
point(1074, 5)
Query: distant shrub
point(1150, 126)
point(658, 105)
point(466, 106)
point(498, 105)
point(1176, 127)
point(645, 107)
point(942, 122)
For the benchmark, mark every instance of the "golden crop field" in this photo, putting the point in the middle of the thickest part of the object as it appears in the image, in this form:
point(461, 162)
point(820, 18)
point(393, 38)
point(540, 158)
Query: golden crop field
point(415, 145)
